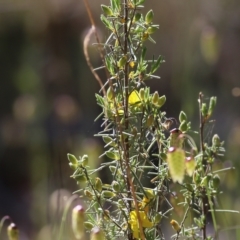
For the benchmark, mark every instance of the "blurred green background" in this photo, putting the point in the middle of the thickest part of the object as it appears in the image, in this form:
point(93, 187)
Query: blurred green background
point(48, 105)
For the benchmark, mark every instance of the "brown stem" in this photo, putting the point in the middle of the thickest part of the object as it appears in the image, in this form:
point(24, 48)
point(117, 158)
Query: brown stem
point(100, 49)
point(126, 116)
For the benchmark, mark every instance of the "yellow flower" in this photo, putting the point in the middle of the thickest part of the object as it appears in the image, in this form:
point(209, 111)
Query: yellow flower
point(135, 224)
point(144, 205)
point(134, 98)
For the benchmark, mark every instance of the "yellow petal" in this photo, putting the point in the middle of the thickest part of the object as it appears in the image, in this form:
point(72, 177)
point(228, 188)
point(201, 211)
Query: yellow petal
point(134, 98)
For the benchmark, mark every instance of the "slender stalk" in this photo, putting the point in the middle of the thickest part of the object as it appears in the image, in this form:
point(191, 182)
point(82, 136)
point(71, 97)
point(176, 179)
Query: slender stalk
point(126, 116)
point(204, 195)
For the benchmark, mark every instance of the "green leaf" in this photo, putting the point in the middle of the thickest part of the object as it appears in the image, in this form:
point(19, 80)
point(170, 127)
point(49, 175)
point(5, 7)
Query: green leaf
point(152, 29)
point(183, 126)
point(100, 100)
point(182, 116)
point(143, 54)
point(107, 10)
point(212, 105)
point(116, 5)
point(113, 155)
point(109, 64)
point(137, 3)
point(149, 16)
point(106, 22)
point(156, 64)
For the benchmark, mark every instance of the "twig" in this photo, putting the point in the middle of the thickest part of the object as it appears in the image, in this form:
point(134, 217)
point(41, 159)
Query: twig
point(100, 49)
point(204, 196)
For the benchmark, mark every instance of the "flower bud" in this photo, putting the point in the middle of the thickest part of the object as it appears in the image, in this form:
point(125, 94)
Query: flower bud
point(175, 225)
point(108, 194)
point(145, 36)
point(161, 101)
point(212, 104)
point(150, 120)
point(155, 98)
point(132, 64)
point(80, 178)
point(115, 186)
point(88, 225)
point(88, 194)
point(98, 184)
point(110, 94)
point(73, 162)
point(142, 94)
point(106, 214)
point(84, 160)
point(150, 194)
point(149, 17)
point(216, 140)
point(78, 221)
point(13, 232)
point(97, 234)
point(204, 110)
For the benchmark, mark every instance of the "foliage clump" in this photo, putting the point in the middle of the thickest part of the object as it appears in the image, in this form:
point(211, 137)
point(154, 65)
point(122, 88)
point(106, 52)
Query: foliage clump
point(152, 158)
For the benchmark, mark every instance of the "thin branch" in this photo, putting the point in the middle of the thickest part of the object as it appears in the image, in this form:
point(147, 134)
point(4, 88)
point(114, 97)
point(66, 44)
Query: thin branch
point(100, 48)
point(85, 50)
point(204, 196)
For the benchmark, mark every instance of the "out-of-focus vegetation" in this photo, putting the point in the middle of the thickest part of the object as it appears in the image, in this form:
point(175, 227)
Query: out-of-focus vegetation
point(48, 105)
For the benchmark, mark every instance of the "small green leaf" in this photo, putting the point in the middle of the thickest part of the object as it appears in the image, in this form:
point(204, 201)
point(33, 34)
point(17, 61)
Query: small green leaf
point(183, 126)
point(98, 184)
point(204, 110)
point(100, 100)
point(156, 65)
point(88, 225)
point(137, 16)
point(161, 101)
point(216, 141)
point(108, 194)
point(73, 162)
point(152, 29)
point(106, 22)
point(182, 116)
point(143, 54)
point(149, 16)
point(113, 155)
point(122, 61)
point(212, 105)
point(109, 64)
point(107, 10)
